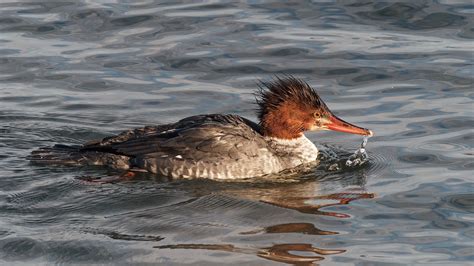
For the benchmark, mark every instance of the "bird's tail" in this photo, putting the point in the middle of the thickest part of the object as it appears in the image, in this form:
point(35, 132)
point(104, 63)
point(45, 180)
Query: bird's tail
point(74, 156)
point(58, 155)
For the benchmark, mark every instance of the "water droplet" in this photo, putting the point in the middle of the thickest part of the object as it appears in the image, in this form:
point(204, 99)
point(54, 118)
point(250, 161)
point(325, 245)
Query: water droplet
point(360, 155)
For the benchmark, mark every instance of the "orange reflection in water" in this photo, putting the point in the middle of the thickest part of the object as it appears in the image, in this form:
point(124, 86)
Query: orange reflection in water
point(309, 200)
point(302, 228)
point(278, 252)
point(301, 203)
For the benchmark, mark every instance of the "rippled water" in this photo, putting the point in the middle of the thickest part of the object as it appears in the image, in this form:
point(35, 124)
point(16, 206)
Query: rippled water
point(72, 71)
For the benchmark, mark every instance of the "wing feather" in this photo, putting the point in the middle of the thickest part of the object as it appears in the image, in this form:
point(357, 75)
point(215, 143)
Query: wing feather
point(205, 137)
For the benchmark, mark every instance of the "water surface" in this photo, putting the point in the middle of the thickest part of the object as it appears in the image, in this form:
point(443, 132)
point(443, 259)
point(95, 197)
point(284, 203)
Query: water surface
point(72, 71)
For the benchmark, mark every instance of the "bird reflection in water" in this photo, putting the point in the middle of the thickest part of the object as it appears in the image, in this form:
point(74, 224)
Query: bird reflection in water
point(310, 200)
point(278, 252)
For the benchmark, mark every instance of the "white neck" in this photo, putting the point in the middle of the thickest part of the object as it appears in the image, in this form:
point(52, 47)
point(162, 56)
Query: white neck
point(295, 151)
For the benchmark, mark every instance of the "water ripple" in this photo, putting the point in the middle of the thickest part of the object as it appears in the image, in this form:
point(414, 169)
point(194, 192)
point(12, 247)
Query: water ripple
point(72, 71)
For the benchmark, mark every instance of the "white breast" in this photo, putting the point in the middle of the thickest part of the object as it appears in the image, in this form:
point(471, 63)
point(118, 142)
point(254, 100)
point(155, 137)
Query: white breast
point(294, 152)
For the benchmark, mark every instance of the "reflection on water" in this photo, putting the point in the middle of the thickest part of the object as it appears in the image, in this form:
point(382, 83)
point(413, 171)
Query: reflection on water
point(72, 71)
point(340, 198)
point(303, 228)
point(304, 204)
point(279, 252)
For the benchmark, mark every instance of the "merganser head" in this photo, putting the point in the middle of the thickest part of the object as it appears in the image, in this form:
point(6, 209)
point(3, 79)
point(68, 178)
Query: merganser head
point(289, 106)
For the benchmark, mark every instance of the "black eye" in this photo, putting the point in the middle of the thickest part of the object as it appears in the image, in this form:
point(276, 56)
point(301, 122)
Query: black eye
point(317, 115)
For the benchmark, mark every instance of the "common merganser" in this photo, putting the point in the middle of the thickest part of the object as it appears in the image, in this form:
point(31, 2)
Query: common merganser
point(218, 146)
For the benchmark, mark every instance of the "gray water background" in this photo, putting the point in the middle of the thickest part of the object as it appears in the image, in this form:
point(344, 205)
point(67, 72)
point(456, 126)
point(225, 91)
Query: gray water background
point(72, 71)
